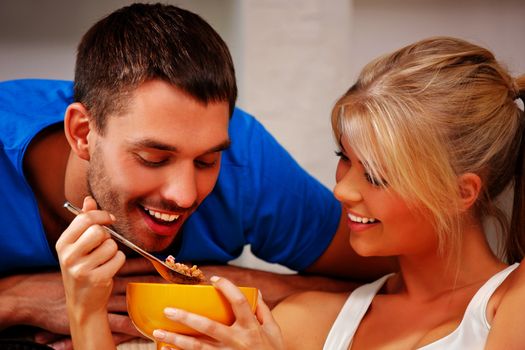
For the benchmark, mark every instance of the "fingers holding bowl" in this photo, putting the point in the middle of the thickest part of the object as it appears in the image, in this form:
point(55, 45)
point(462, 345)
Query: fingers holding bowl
point(243, 311)
point(210, 331)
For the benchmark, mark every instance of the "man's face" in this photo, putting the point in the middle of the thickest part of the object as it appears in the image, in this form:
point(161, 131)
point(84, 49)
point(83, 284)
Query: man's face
point(157, 162)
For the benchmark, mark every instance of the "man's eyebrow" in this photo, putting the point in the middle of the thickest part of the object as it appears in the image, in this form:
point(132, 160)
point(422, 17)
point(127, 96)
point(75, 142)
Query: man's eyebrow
point(149, 143)
point(220, 147)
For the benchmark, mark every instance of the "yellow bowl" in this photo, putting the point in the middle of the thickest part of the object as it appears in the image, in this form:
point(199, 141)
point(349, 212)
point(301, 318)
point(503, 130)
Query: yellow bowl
point(147, 301)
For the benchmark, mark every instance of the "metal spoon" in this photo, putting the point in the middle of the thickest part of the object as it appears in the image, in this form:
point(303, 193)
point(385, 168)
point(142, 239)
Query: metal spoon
point(164, 270)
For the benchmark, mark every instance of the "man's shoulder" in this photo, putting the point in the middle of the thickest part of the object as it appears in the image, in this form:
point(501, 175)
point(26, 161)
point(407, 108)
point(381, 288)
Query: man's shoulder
point(242, 121)
point(33, 85)
point(246, 135)
point(24, 96)
point(29, 105)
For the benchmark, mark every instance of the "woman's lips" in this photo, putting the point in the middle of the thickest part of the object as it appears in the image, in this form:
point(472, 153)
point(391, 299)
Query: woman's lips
point(359, 223)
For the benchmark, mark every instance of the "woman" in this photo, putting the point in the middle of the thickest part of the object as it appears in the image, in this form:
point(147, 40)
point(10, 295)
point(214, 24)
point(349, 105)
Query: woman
point(429, 136)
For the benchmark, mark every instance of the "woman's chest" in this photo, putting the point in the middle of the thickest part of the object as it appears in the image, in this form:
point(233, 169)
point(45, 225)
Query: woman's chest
point(393, 322)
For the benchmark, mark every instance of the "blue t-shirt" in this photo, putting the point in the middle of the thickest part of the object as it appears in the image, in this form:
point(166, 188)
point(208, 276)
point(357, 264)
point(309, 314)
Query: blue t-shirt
point(262, 196)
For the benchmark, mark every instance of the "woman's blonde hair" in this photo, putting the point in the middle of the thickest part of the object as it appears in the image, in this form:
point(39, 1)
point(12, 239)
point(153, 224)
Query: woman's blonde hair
point(431, 111)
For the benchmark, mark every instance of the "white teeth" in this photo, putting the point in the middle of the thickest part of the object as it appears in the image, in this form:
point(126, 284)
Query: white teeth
point(362, 220)
point(162, 216)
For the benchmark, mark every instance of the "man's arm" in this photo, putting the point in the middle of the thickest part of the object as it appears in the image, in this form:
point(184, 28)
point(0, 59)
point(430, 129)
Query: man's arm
point(33, 299)
point(38, 300)
point(339, 269)
point(275, 287)
point(340, 260)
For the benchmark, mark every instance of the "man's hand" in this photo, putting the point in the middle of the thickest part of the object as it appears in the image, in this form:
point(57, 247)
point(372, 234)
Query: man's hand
point(38, 300)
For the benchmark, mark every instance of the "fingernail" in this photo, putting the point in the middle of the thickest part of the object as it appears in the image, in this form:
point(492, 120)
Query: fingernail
point(169, 311)
point(57, 346)
point(214, 278)
point(157, 333)
point(112, 217)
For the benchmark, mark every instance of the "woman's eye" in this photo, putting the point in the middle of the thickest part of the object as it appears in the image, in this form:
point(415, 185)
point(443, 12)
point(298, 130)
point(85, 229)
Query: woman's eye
point(341, 155)
point(374, 181)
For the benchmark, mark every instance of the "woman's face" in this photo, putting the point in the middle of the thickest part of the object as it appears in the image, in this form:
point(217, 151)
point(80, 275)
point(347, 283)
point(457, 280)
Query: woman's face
point(380, 221)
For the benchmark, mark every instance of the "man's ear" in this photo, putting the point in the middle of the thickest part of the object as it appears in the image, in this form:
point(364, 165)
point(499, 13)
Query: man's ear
point(469, 189)
point(77, 129)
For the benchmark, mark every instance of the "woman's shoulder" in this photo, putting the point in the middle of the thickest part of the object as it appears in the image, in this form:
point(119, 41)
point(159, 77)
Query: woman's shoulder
point(306, 318)
point(514, 279)
point(507, 317)
point(310, 300)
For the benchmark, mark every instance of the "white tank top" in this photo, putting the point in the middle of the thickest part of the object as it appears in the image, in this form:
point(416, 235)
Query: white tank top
point(471, 333)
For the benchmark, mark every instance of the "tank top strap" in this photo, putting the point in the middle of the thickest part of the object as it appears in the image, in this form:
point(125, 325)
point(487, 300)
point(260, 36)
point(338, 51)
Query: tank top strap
point(351, 314)
point(473, 330)
point(477, 307)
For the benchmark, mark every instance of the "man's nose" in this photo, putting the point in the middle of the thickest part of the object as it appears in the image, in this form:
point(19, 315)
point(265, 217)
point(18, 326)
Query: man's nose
point(181, 186)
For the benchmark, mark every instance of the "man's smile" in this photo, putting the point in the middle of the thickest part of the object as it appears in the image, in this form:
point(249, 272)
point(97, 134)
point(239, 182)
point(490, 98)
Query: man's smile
point(162, 216)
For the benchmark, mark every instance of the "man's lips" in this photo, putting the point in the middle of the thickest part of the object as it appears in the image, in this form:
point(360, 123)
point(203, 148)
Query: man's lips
point(162, 216)
point(162, 223)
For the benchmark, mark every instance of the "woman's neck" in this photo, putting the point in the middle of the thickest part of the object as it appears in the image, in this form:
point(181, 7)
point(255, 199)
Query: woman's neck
point(432, 275)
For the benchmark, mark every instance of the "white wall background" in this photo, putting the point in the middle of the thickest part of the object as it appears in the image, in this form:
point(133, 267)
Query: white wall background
point(293, 57)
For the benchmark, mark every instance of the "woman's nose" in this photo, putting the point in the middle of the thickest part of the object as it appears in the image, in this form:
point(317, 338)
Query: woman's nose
point(346, 190)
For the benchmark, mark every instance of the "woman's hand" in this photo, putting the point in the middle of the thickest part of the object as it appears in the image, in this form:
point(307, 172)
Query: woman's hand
point(89, 259)
point(249, 331)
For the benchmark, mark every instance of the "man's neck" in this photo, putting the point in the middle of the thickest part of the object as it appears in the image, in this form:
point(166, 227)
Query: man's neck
point(45, 164)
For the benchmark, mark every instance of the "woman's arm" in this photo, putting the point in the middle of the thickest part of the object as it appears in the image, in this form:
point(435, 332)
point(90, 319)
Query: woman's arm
point(508, 325)
point(300, 322)
point(89, 259)
point(306, 318)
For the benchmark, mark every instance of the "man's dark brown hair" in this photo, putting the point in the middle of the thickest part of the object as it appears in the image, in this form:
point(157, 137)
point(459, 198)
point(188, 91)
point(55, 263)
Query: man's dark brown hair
point(142, 42)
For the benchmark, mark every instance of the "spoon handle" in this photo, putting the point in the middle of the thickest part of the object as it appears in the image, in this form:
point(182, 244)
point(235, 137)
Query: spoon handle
point(115, 235)
point(167, 272)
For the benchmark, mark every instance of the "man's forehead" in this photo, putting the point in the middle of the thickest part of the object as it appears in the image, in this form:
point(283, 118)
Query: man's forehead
point(160, 92)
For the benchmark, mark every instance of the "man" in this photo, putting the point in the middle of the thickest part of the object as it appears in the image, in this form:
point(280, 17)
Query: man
point(145, 129)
